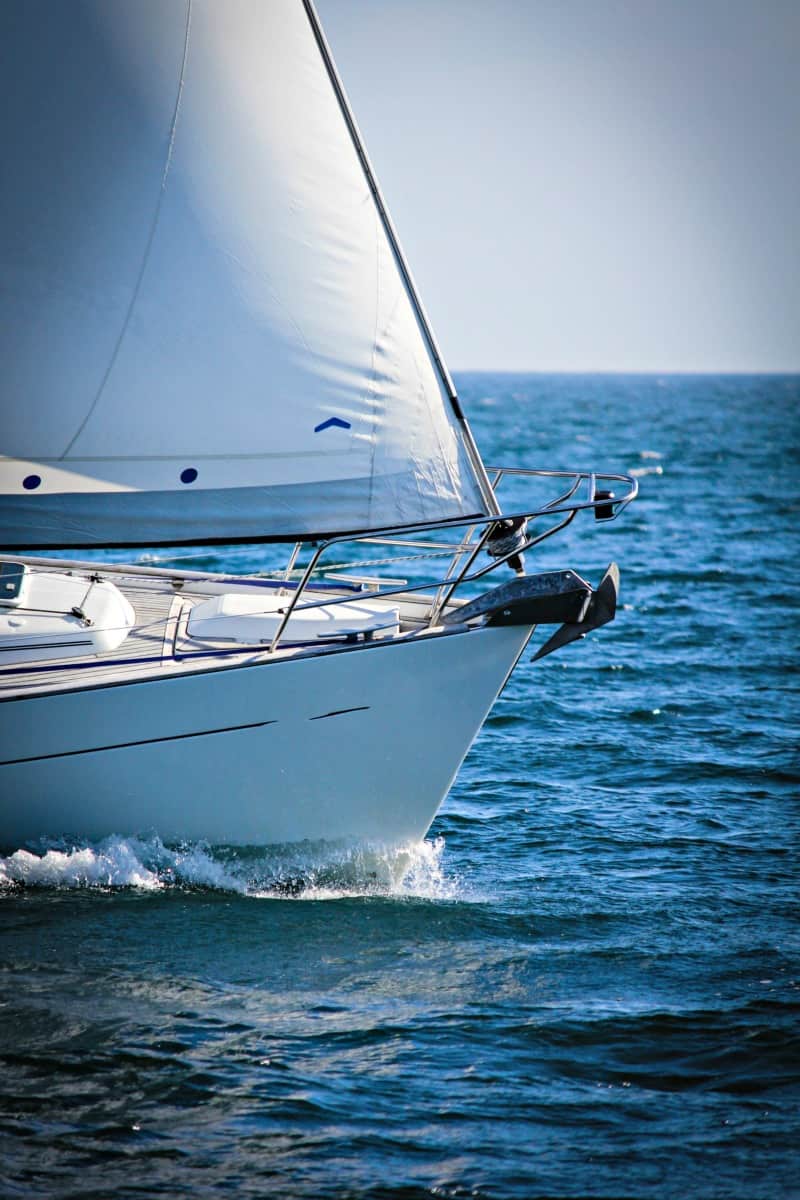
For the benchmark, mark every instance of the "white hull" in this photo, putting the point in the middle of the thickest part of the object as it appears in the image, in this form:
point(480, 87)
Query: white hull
point(361, 744)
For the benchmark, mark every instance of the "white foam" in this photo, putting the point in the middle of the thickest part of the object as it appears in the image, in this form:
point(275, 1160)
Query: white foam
point(307, 872)
point(414, 871)
point(113, 863)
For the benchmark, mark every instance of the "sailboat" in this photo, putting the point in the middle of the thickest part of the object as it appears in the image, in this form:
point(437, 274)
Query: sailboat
point(210, 336)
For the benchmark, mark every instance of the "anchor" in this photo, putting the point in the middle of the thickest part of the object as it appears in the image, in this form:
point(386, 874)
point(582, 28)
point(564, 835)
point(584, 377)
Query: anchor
point(561, 598)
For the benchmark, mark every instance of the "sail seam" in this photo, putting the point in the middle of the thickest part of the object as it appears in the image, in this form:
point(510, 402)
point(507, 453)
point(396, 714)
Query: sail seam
point(141, 458)
point(148, 245)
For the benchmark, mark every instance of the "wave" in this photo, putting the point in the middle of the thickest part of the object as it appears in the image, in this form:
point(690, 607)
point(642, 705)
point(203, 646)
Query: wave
point(308, 871)
point(640, 472)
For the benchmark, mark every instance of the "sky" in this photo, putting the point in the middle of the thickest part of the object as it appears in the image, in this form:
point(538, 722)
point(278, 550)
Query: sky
point(588, 185)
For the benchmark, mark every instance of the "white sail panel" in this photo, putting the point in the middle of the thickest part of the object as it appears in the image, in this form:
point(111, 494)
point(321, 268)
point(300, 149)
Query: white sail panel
point(204, 330)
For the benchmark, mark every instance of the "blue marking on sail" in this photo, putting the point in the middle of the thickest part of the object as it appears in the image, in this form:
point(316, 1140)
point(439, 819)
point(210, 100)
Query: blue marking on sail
point(331, 421)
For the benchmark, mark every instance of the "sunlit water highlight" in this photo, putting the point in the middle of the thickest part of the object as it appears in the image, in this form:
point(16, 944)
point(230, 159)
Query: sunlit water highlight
point(586, 983)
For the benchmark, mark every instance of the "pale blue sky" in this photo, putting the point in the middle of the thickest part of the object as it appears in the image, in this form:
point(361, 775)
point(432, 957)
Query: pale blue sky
point(589, 184)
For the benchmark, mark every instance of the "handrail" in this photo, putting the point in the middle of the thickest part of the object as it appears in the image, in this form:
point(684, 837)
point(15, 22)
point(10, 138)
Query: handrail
point(563, 503)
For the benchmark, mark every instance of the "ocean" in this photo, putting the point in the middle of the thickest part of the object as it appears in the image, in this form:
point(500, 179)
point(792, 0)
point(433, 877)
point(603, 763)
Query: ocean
point(586, 982)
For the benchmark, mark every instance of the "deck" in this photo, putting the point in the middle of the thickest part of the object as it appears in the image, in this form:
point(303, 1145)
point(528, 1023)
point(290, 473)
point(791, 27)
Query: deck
point(158, 644)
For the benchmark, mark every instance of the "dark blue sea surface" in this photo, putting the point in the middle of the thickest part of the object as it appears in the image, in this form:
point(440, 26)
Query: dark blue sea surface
point(586, 983)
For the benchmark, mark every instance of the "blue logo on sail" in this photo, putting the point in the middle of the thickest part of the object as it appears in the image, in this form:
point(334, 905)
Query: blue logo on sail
point(331, 423)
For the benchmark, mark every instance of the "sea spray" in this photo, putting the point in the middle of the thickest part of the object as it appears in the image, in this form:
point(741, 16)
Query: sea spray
point(309, 871)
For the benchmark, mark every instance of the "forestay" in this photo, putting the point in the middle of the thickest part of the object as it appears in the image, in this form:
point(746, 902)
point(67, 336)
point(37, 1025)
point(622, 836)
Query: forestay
point(205, 330)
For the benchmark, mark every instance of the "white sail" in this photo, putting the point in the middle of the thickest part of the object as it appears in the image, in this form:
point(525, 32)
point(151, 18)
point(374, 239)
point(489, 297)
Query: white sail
point(205, 329)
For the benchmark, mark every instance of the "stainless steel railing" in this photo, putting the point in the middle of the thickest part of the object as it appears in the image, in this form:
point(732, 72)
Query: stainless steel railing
point(564, 506)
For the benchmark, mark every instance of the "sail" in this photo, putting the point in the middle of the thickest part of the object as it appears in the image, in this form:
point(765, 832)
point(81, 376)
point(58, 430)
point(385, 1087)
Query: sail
point(207, 331)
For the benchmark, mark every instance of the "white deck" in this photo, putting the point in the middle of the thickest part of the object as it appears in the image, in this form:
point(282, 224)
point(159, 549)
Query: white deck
point(159, 643)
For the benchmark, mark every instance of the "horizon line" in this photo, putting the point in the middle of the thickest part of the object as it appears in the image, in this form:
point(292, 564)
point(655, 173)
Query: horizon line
point(750, 373)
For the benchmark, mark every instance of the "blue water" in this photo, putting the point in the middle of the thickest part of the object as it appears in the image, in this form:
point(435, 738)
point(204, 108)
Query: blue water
point(587, 983)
